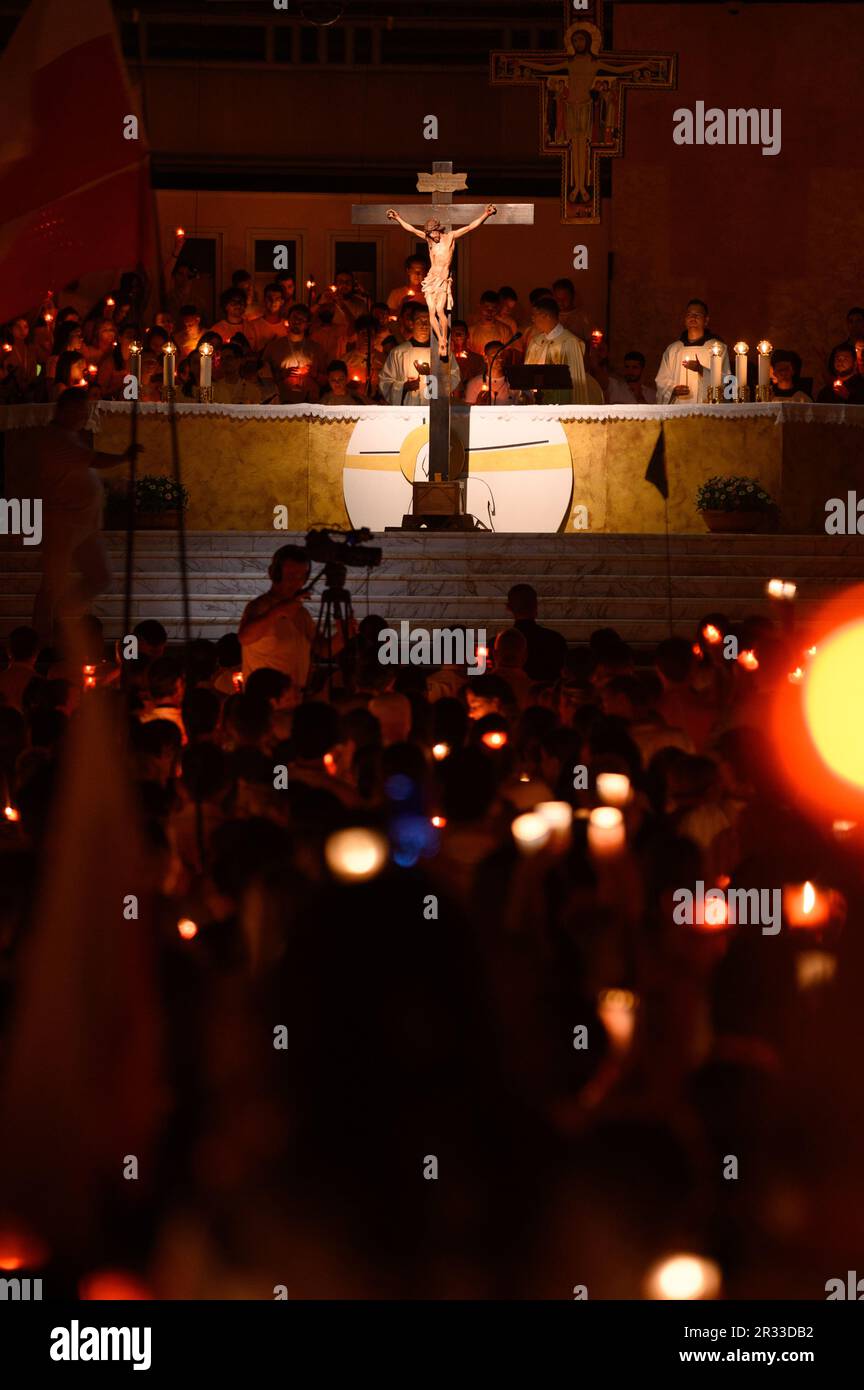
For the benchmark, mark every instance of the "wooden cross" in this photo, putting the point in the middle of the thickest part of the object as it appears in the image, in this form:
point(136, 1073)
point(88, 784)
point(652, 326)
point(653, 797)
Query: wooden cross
point(442, 183)
point(583, 101)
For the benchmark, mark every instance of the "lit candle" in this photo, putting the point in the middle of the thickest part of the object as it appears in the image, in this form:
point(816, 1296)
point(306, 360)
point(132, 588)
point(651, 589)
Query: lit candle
point(605, 831)
point(187, 928)
point(237, 680)
point(355, 855)
point(11, 813)
point(169, 353)
point(206, 351)
point(439, 822)
point(495, 738)
point(613, 788)
point(843, 829)
point(179, 232)
point(717, 369)
point(683, 1277)
point(805, 905)
point(781, 589)
point(795, 677)
point(741, 351)
point(838, 384)
point(764, 349)
point(597, 336)
point(531, 832)
point(440, 751)
point(89, 673)
point(310, 285)
point(135, 351)
point(712, 634)
point(558, 815)
point(814, 968)
point(749, 660)
point(109, 302)
point(616, 1009)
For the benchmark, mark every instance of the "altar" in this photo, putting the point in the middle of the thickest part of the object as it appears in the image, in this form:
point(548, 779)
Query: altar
point(552, 469)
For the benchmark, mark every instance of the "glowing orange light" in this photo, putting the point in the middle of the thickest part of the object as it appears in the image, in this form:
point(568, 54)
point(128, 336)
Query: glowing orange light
point(330, 764)
point(838, 383)
point(109, 302)
point(310, 284)
point(110, 1284)
point(440, 751)
point(806, 906)
point(749, 660)
point(712, 634)
point(716, 913)
point(597, 336)
point(496, 738)
point(439, 822)
point(92, 369)
point(795, 677)
point(49, 318)
point(7, 347)
point(187, 928)
point(179, 231)
point(697, 651)
point(20, 1249)
point(683, 1277)
point(237, 680)
point(12, 814)
point(332, 289)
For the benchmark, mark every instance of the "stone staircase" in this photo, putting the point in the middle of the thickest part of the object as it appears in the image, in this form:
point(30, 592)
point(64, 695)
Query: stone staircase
point(445, 579)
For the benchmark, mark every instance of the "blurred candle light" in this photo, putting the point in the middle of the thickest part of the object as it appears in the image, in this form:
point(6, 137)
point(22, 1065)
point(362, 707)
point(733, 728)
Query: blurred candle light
point(806, 906)
point(330, 765)
point(605, 831)
point(613, 788)
point(169, 354)
point(237, 680)
point(187, 928)
point(110, 303)
point(495, 738)
point(12, 814)
point(356, 855)
point(439, 822)
point(843, 829)
point(684, 1277)
point(20, 1249)
point(558, 815)
point(814, 968)
point(110, 1284)
point(749, 660)
point(440, 751)
point(795, 677)
point(89, 674)
point(712, 634)
point(135, 352)
point(616, 1009)
point(597, 336)
point(179, 231)
point(531, 832)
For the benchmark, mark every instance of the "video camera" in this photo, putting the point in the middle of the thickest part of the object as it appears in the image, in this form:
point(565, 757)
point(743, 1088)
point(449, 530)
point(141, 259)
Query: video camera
point(321, 549)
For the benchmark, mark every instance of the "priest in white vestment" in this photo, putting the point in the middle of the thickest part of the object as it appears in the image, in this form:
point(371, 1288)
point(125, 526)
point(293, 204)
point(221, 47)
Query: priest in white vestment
point(685, 370)
point(552, 345)
point(399, 381)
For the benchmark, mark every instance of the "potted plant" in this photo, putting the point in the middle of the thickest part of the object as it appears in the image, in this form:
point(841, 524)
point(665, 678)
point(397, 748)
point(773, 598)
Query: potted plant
point(734, 503)
point(158, 501)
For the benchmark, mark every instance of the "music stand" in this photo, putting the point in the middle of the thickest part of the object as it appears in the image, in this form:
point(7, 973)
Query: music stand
point(540, 377)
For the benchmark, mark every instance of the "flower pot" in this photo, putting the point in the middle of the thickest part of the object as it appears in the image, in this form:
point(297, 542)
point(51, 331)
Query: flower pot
point(158, 521)
point(735, 521)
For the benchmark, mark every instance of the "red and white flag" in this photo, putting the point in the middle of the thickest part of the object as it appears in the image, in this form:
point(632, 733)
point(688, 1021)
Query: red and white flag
point(74, 188)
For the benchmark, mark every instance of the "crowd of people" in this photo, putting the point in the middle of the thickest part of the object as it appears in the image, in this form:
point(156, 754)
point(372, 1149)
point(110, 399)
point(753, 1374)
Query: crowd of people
point(362, 995)
point(339, 347)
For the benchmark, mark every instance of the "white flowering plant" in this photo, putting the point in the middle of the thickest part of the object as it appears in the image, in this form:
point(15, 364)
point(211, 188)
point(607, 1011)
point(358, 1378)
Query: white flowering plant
point(154, 493)
point(732, 493)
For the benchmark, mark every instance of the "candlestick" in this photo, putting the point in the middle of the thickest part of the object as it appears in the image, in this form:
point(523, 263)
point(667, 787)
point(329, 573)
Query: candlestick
point(169, 355)
point(205, 373)
point(613, 788)
point(310, 285)
point(606, 831)
point(531, 833)
point(741, 350)
point(715, 389)
point(135, 352)
point(763, 389)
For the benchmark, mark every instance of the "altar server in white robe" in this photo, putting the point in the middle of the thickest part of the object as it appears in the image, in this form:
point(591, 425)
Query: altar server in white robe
point(553, 345)
point(677, 381)
point(399, 381)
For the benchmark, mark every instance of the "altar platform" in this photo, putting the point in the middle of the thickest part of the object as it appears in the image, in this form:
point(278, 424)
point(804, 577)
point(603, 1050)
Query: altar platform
point(535, 470)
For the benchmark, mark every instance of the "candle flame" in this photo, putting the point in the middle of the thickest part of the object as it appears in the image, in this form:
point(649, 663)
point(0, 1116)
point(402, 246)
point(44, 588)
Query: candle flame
point(741, 349)
point(440, 751)
point(808, 897)
point(712, 634)
point(765, 348)
point(187, 928)
point(12, 814)
point(717, 350)
point(749, 660)
point(795, 677)
point(439, 822)
point(496, 738)
point(179, 231)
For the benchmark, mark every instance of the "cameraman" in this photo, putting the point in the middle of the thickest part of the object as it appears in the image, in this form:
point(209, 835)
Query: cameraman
point(276, 630)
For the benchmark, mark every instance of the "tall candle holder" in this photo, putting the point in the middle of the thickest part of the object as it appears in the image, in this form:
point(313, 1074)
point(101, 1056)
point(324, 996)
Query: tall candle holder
point(715, 389)
point(763, 389)
point(741, 350)
point(205, 374)
point(169, 356)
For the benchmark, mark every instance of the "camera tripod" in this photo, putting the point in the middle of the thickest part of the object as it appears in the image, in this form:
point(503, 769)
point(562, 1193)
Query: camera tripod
point(335, 614)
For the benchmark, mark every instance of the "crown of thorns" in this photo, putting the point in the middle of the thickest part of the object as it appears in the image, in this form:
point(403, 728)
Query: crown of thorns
point(433, 225)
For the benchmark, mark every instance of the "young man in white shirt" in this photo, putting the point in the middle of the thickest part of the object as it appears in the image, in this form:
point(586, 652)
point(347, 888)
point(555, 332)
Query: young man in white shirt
point(629, 388)
point(684, 373)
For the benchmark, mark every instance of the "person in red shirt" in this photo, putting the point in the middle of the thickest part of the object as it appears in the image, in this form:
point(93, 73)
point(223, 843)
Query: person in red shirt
point(233, 304)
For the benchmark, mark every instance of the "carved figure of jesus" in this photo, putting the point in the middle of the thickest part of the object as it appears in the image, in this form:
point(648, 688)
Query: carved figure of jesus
point(437, 287)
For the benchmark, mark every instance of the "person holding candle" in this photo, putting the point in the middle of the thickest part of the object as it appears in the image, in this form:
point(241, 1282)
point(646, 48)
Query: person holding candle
point(477, 390)
point(24, 358)
point(847, 385)
point(470, 363)
point(362, 360)
point(114, 369)
point(70, 371)
point(487, 325)
point(415, 271)
point(233, 304)
point(296, 364)
point(337, 382)
point(68, 338)
point(399, 381)
point(99, 339)
point(574, 319)
point(189, 334)
point(684, 371)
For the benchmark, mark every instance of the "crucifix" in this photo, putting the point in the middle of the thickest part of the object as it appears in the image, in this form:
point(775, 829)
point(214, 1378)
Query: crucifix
point(435, 224)
point(583, 101)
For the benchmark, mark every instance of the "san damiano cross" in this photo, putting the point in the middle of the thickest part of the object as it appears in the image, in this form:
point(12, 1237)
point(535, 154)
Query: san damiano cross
point(582, 109)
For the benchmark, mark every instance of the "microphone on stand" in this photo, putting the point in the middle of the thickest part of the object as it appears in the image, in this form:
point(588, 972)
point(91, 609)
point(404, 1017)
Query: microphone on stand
point(502, 348)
